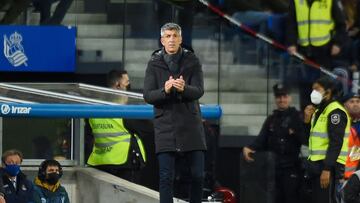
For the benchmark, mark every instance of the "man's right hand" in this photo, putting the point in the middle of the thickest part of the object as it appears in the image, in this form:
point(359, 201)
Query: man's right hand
point(248, 153)
point(308, 112)
point(169, 85)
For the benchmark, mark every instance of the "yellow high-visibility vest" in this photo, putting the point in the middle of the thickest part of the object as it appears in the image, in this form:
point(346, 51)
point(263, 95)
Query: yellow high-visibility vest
point(314, 23)
point(319, 137)
point(111, 142)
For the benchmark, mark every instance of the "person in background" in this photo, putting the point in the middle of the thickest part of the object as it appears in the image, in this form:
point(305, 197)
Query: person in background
point(352, 105)
point(282, 133)
point(44, 7)
point(116, 149)
point(315, 29)
point(16, 7)
point(351, 187)
point(328, 127)
point(47, 183)
point(17, 188)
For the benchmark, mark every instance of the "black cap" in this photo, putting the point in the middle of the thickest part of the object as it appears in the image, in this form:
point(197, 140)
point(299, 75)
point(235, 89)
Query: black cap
point(280, 90)
point(350, 96)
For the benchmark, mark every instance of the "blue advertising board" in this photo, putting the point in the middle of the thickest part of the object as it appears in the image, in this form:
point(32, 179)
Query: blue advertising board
point(92, 111)
point(37, 48)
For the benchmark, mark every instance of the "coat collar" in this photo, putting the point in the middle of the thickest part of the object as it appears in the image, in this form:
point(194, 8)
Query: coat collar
point(158, 58)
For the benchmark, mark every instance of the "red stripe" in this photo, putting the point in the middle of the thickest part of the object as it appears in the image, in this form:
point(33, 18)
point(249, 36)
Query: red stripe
point(216, 10)
point(273, 42)
point(249, 30)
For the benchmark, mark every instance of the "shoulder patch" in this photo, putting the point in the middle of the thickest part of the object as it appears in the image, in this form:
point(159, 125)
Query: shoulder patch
point(335, 119)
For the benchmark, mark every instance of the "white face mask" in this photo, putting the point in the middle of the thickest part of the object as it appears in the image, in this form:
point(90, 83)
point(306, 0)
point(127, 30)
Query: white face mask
point(316, 97)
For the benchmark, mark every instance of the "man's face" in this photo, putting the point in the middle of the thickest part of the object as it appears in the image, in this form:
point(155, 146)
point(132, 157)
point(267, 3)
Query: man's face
point(171, 41)
point(13, 159)
point(283, 101)
point(123, 82)
point(52, 169)
point(353, 106)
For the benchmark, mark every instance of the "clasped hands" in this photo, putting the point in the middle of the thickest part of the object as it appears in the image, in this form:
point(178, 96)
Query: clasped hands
point(178, 84)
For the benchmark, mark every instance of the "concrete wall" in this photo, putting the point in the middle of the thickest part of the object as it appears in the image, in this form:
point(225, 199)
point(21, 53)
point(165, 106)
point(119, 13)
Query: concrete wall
point(88, 185)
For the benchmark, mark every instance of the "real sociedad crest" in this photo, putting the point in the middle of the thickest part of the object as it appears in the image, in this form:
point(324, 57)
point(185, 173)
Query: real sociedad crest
point(14, 51)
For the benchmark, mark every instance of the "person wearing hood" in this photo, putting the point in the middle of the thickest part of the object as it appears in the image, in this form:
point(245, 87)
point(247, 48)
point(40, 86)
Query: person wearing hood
point(329, 125)
point(47, 183)
point(17, 188)
point(282, 133)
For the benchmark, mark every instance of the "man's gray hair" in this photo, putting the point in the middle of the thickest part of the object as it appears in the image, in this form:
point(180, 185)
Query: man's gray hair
point(170, 26)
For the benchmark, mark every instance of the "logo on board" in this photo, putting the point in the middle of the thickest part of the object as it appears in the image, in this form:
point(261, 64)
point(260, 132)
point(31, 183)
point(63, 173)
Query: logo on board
point(6, 109)
point(14, 51)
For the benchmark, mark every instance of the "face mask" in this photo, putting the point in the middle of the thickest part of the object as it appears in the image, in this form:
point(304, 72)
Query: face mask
point(316, 97)
point(12, 169)
point(52, 178)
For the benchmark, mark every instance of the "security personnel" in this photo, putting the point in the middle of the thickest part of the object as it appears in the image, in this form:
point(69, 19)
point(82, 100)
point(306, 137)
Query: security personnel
point(316, 29)
point(116, 150)
point(282, 133)
point(328, 141)
point(352, 105)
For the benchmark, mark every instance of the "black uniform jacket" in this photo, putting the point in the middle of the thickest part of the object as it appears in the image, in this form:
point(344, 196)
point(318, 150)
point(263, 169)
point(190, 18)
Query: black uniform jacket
point(177, 121)
point(282, 133)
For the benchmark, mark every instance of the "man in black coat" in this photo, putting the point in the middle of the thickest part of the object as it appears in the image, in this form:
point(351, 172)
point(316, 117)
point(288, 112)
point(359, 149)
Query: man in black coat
point(173, 84)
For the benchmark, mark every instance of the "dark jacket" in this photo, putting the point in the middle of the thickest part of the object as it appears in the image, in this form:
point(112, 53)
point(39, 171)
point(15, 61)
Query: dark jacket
point(23, 192)
point(351, 190)
point(59, 196)
point(177, 121)
point(275, 136)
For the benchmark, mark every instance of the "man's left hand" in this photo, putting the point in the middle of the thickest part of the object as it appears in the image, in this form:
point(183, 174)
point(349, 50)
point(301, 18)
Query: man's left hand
point(179, 84)
point(324, 179)
point(2, 199)
point(335, 50)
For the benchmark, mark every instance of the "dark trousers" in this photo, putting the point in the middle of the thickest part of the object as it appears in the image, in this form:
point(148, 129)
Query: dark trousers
point(167, 173)
point(320, 195)
point(329, 194)
point(287, 185)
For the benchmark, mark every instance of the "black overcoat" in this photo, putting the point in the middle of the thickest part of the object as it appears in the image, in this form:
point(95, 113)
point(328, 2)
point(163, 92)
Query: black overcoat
point(177, 122)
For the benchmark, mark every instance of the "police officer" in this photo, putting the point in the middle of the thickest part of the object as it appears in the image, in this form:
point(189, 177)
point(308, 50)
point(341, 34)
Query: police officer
point(282, 134)
point(116, 150)
point(328, 145)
